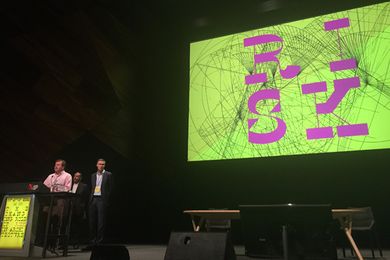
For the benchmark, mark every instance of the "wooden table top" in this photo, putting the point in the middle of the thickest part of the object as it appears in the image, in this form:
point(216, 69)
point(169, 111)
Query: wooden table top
point(235, 214)
point(215, 213)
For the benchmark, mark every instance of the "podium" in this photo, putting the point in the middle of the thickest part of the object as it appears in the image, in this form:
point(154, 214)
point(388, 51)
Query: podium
point(22, 223)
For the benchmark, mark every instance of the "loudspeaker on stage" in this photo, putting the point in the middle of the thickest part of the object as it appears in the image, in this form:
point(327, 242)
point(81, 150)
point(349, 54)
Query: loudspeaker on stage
point(200, 246)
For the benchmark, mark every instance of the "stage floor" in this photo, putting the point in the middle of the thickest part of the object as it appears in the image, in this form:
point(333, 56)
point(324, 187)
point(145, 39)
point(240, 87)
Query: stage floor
point(157, 252)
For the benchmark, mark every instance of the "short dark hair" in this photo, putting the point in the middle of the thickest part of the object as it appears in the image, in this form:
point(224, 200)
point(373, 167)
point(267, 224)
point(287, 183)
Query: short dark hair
point(62, 161)
point(81, 175)
point(101, 159)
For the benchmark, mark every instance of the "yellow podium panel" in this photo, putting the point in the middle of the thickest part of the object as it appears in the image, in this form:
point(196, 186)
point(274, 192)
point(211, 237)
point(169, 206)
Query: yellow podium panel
point(13, 228)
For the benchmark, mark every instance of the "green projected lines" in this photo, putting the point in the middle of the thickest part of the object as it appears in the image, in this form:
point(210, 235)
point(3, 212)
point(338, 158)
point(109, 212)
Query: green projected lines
point(334, 97)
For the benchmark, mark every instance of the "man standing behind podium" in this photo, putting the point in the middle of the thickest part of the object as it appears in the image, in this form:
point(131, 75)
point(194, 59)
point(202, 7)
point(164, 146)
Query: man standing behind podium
point(102, 185)
point(60, 180)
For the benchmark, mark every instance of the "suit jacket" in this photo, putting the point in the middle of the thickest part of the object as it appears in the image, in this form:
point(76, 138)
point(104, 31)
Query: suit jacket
point(81, 189)
point(81, 201)
point(106, 186)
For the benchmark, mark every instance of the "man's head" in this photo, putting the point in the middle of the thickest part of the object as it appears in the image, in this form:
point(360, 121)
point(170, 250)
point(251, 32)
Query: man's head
point(59, 165)
point(100, 164)
point(77, 177)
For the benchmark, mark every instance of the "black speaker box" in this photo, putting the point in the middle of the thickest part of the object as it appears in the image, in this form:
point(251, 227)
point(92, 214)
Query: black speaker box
point(200, 246)
point(108, 252)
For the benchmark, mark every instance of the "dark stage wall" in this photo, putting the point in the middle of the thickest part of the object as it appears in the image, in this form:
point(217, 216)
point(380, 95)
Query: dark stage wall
point(84, 80)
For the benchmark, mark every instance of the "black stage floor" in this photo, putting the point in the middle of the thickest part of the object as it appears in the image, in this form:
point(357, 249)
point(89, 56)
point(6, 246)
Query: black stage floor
point(157, 252)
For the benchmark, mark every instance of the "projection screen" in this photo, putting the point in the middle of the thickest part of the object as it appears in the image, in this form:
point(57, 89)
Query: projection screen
point(317, 85)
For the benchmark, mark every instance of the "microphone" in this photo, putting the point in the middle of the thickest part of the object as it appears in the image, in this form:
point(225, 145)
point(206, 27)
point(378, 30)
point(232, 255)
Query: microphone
point(52, 184)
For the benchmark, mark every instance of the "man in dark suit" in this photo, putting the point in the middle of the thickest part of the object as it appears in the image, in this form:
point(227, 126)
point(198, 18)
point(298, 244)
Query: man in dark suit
point(102, 186)
point(79, 207)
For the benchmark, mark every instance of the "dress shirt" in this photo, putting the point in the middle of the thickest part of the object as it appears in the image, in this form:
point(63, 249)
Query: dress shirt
point(98, 186)
point(74, 188)
point(59, 182)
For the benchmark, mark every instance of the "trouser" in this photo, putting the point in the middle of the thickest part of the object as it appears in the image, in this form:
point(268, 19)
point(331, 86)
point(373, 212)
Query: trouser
point(78, 227)
point(97, 219)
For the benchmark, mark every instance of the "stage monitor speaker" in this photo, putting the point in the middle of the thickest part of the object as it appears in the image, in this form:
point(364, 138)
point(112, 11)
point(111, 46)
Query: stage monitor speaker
point(200, 246)
point(108, 252)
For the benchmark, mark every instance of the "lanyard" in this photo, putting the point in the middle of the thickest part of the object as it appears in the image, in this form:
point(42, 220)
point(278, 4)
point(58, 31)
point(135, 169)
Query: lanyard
point(99, 179)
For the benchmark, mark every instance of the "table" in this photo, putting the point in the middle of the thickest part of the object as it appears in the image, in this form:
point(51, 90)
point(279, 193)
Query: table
point(344, 216)
point(63, 212)
point(203, 215)
point(66, 197)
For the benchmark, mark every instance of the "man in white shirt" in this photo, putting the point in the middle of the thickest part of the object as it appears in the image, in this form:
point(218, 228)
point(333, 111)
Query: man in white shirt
point(76, 181)
point(79, 206)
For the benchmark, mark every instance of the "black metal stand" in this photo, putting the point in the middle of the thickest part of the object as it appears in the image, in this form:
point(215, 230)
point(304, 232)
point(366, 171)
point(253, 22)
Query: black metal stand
point(65, 236)
point(285, 242)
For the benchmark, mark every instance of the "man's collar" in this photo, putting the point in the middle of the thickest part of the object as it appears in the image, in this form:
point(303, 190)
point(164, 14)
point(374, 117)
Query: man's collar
point(59, 173)
point(100, 173)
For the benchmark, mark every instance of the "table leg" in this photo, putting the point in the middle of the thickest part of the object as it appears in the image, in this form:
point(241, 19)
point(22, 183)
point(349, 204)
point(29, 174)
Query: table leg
point(199, 224)
point(47, 228)
point(194, 226)
point(354, 246)
point(285, 242)
point(68, 226)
